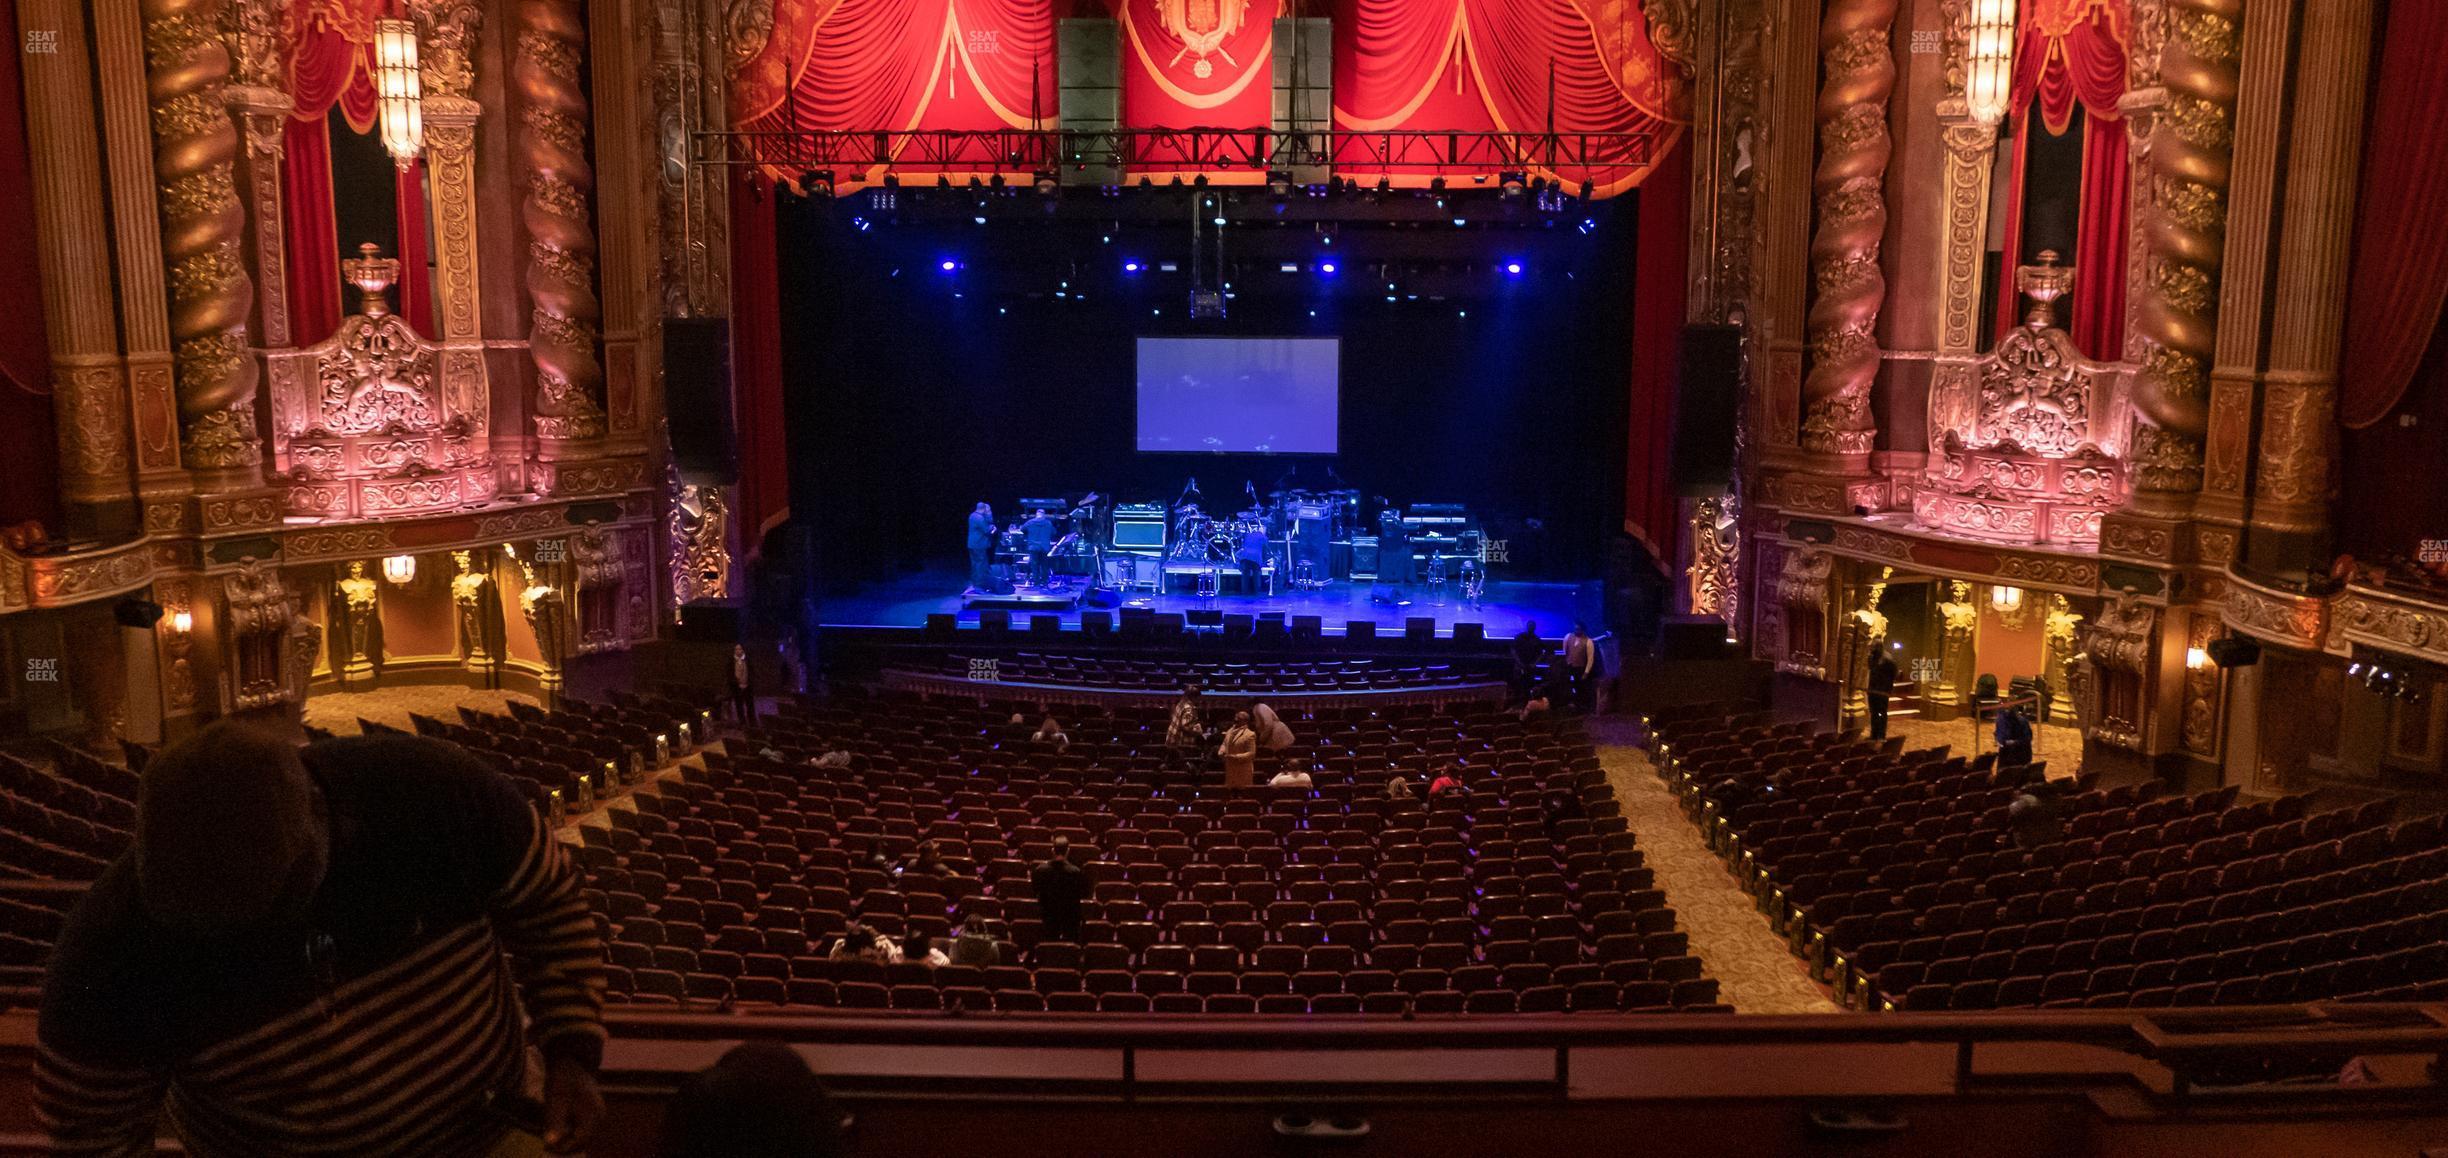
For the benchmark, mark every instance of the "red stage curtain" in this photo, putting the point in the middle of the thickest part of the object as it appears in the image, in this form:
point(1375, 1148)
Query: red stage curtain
point(311, 242)
point(330, 59)
point(1658, 305)
point(2069, 52)
point(416, 278)
point(904, 65)
point(1162, 88)
point(756, 363)
point(26, 430)
point(2401, 250)
point(1517, 66)
point(2098, 325)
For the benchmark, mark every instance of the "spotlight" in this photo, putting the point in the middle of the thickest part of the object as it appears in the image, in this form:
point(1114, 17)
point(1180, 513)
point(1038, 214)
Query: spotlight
point(1436, 184)
point(1515, 184)
point(943, 181)
point(1289, 267)
point(892, 181)
point(997, 183)
point(1589, 225)
point(1327, 268)
point(820, 183)
point(1200, 181)
point(1177, 181)
point(1150, 182)
point(1047, 182)
point(1279, 183)
point(1589, 190)
point(974, 183)
point(948, 265)
point(1513, 269)
point(1385, 185)
point(1130, 267)
point(1459, 222)
point(980, 219)
point(1217, 219)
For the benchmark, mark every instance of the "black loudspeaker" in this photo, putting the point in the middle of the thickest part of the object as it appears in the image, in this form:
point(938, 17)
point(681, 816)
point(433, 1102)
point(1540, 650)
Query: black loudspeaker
point(1045, 624)
point(1692, 637)
point(1470, 634)
point(709, 622)
point(941, 626)
point(2234, 651)
point(1097, 623)
point(1239, 627)
point(995, 620)
point(1204, 616)
point(1360, 629)
point(697, 398)
point(1708, 377)
point(1270, 627)
point(1308, 626)
point(1420, 629)
point(1168, 624)
point(1364, 555)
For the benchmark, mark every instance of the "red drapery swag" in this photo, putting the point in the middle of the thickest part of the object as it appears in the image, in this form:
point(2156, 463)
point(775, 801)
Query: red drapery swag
point(2401, 252)
point(1505, 66)
point(331, 63)
point(901, 65)
point(1199, 64)
point(1659, 257)
point(756, 362)
point(2070, 52)
point(26, 418)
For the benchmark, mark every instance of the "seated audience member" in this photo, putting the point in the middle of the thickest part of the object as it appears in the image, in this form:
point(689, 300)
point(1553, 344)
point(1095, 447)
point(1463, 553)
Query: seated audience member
point(2036, 816)
point(1291, 778)
point(925, 860)
point(760, 1101)
point(1399, 789)
point(860, 943)
point(918, 948)
point(1050, 733)
point(341, 949)
point(1537, 705)
point(1273, 734)
point(1449, 780)
point(833, 758)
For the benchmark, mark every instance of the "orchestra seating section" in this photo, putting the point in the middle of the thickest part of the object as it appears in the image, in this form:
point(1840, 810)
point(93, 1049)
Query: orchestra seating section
point(730, 884)
point(565, 759)
point(1290, 678)
point(59, 828)
point(1895, 874)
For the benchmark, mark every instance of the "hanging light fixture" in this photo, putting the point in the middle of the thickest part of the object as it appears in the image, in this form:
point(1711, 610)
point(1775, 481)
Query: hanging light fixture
point(1989, 59)
point(400, 569)
point(398, 91)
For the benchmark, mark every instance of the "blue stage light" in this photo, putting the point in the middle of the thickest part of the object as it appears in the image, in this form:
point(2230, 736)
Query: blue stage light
point(948, 265)
point(1513, 269)
point(1130, 267)
point(1327, 268)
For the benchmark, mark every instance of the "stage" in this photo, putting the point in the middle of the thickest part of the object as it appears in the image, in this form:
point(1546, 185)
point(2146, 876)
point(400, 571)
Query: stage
point(1507, 605)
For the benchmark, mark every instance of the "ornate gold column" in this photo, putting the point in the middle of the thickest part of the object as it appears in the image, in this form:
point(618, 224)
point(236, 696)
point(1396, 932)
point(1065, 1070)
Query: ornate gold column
point(72, 244)
point(550, 145)
point(2258, 143)
point(447, 32)
point(2296, 457)
point(1850, 191)
point(259, 34)
point(195, 149)
point(123, 86)
point(1782, 137)
point(615, 29)
point(2179, 312)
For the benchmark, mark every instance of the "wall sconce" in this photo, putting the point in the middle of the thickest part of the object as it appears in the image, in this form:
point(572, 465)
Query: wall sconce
point(2197, 658)
point(398, 90)
point(2006, 600)
point(182, 622)
point(400, 569)
point(1989, 60)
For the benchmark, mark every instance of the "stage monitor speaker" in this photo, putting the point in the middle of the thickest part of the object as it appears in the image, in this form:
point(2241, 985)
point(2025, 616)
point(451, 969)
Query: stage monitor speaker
point(1420, 629)
point(1470, 634)
point(1168, 624)
point(1308, 626)
point(1360, 629)
point(994, 620)
point(1239, 626)
point(1270, 627)
point(1692, 637)
point(1045, 624)
point(1137, 622)
point(941, 626)
point(697, 398)
point(1708, 378)
point(1096, 623)
point(1204, 616)
point(1364, 556)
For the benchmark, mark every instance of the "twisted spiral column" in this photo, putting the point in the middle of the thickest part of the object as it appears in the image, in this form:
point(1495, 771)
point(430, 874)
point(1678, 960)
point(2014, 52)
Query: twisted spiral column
point(1850, 188)
point(551, 147)
point(2185, 232)
point(195, 151)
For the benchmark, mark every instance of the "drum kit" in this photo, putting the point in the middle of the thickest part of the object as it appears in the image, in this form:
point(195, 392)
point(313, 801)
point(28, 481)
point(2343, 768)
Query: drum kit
point(1198, 537)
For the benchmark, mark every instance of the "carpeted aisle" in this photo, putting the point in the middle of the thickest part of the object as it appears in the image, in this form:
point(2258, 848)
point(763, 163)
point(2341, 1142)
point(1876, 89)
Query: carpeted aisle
point(1754, 970)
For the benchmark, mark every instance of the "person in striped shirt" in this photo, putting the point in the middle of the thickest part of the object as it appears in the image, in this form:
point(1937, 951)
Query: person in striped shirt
point(341, 949)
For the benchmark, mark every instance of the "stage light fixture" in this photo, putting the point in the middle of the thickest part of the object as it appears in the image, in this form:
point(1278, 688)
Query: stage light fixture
point(980, 219)
point(892, 181)
point(974, 183)
point(1279, 183)
point(1513, 269)
point(1218, 219)
point(1589, 190)
point(1047, 182)
point(1327, 268)
point(948, 265)
point(1150, 182)
point(1515, 184)
point(998, 183)
point(1289, 267)
point(1130, 267)
point(1385, 185)
point(1436, 185)
point(1460, 222)
point(943, 181)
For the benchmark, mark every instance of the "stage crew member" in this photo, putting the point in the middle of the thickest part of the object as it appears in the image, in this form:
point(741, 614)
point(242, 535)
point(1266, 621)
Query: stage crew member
point(1251, 558)
point(981, 547)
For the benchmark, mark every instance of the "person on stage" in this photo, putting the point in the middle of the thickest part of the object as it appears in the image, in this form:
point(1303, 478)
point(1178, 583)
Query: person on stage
point(1882, 686)
point(1251, 558)
point(1581, 667)
point(1037, 534)
point(981, 547)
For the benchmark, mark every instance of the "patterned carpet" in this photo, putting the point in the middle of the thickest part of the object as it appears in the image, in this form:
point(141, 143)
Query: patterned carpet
point(338, 712)
point(1754, 970)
